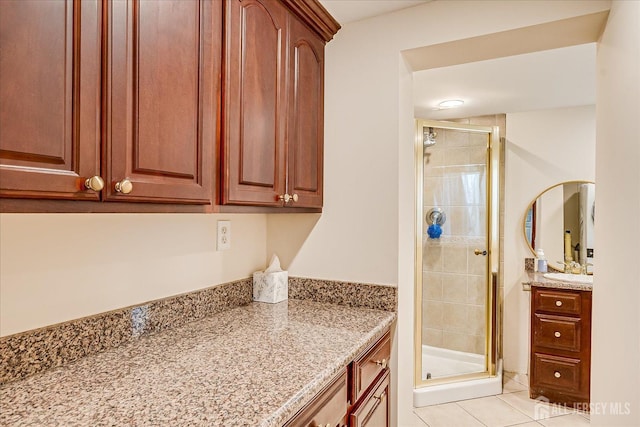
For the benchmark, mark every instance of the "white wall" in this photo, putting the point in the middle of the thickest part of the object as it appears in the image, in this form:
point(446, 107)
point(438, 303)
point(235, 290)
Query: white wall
point(58, 267)
point(615, 368)
point(543, 148)
point(365, 232)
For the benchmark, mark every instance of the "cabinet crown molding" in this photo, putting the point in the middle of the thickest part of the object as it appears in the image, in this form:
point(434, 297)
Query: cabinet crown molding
point(313, 14)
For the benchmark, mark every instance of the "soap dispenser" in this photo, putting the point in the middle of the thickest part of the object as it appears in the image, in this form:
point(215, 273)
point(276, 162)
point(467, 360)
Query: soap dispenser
point(541, 261)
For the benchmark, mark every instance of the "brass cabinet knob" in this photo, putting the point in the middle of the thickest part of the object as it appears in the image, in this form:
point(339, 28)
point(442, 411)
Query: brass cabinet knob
point(557, 334)
point(557, 374)
point(479, 252)
point(286, 198)
point(94, 183)
point(558, 303)
point(125, 186)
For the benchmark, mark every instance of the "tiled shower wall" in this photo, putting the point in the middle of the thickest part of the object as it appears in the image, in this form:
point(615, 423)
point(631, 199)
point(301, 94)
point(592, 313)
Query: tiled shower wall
point(454, 288)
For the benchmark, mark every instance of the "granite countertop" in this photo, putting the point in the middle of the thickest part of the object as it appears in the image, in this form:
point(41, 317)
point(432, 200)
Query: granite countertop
point(254, 365)
point(538, 279)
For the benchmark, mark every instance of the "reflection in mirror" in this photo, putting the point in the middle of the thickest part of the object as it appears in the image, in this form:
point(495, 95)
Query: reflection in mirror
point(560, 221)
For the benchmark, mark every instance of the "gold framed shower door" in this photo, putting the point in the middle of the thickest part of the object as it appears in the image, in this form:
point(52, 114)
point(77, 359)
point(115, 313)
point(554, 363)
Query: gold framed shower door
point(493, 249)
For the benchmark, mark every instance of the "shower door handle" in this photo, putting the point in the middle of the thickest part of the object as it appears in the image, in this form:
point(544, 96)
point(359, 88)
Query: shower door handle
point(480, 252)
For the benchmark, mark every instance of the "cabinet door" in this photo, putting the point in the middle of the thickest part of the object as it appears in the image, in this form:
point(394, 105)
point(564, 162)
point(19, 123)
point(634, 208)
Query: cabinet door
point(374, 410)
point(49, 98)
point(253, 152)
point(162, 81)
point(305, 116)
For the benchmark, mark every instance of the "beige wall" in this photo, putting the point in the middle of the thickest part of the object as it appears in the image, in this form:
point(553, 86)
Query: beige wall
point(543, 148)
point(366, 230)
point(615, 368)
point(57, 267)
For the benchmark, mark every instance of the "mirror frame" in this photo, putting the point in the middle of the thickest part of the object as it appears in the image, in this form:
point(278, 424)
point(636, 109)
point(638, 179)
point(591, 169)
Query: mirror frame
point(524, 217)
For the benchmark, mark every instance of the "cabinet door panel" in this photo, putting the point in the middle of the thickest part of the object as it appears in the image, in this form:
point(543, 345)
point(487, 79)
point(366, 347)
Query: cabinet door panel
point(49, 98)
point(306, 112)
point(162, 82)
point(253, 150)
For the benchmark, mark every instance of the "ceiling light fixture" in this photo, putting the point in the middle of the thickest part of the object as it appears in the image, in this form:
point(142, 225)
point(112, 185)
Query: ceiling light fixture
point(451, 103)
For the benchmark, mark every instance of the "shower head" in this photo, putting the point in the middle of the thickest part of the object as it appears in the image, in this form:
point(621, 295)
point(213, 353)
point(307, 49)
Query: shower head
point(428, 137)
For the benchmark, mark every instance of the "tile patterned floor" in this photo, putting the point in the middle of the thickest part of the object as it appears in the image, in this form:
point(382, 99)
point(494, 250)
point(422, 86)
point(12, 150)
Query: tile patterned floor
point(512, 408)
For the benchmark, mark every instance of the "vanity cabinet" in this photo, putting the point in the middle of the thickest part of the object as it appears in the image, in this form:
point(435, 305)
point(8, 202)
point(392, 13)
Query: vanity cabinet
point(560, 345)
point(272, 145)
point(357, 397)
point(155, 91)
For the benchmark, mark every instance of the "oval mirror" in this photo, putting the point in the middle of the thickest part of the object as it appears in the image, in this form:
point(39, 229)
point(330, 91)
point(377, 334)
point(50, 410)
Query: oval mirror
point(565, 208)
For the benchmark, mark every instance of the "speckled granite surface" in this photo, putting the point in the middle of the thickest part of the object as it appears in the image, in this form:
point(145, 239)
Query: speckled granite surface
point(538, 279)
point(35, 351)
point(254, 365)
point(352, 294)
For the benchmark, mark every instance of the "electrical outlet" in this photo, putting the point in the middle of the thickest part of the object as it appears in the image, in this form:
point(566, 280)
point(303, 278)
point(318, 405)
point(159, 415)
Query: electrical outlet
point(224, 235)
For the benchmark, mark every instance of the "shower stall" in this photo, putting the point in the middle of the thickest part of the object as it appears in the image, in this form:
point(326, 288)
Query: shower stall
point(457, 261)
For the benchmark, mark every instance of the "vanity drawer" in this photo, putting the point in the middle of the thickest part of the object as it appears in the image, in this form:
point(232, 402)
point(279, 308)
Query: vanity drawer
point(329, 407)
point(556, 332)
point(560, 373)
point(560, 302)
point(374, 409)
point(366, 368)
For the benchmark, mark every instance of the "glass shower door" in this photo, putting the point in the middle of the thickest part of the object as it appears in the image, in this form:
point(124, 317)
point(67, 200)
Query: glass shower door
point(455, 248)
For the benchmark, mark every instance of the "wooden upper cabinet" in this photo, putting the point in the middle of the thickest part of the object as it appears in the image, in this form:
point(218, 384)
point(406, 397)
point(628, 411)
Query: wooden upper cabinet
point(305, 118)
point(274, 103)
point(49, 98)
point(137, 94)
point(253, 150)
point(162, 83)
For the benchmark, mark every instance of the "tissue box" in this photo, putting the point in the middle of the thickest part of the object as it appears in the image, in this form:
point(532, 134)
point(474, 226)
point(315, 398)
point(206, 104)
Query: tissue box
point(270, 287)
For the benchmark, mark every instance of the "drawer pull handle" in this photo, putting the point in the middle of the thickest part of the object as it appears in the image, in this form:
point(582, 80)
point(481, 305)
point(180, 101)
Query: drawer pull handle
point(381, 397)
point(557, 334)
point(558, 303)
point(557, 374)
point(382, 363)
